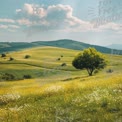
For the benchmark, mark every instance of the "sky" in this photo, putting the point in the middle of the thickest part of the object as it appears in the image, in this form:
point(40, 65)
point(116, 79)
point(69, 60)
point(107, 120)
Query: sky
point(96, 22)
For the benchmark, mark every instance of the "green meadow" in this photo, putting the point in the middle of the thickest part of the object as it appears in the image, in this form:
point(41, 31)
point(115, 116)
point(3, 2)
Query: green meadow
point(56, 91)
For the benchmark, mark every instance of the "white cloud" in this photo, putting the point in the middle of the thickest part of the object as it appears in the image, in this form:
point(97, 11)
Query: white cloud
point(24, 22)
point(3, 26)
point(18, 10)
point(11, 28)
point(119, 32)
point(111, 26)
point(7, 20)
point(53, 17)
point(28, 8)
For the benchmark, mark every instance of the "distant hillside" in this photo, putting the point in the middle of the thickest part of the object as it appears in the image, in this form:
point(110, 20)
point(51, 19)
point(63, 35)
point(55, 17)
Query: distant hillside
point(115, 46)
point(71, 44)
point(64, 43)
point(14, 46)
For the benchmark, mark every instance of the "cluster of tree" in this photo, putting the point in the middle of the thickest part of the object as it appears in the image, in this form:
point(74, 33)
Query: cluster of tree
point(12, 77)
point(3, 55)
point(7, 77)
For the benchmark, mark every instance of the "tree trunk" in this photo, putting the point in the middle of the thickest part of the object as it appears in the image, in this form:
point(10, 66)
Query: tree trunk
point(90, 71)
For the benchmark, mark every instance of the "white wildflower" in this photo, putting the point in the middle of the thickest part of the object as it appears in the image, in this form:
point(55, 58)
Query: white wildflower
point(53, 88)
point(16, 108)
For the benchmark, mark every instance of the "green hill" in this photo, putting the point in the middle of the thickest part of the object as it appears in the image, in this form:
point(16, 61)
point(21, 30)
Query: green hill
point(71, 44)
point(14, 46)
point(58, 93)
point(64, 43)
point(46, 60)
point(42, 61)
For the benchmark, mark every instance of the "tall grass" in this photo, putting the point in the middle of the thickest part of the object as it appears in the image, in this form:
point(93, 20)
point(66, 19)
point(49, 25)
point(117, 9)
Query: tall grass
point(76, 100)
point(59, 94)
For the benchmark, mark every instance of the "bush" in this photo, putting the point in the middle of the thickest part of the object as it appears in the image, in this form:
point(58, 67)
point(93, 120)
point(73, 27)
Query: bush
point(8, 77)
point(11, 59)
point(3, 55)
point(62, 56)
point(27, 56)
point(63, 64)
point(27, 76)
point(59, 59)
point(109, 71)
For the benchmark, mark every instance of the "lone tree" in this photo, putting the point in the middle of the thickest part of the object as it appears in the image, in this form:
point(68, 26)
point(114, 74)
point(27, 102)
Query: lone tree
point(90, 59)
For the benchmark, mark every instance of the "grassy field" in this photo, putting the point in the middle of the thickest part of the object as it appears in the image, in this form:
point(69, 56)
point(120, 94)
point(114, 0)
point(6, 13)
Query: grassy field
point(58, 93)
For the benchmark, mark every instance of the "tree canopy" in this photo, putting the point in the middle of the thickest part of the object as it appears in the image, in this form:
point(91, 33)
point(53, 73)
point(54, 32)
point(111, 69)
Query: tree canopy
point(89, 59)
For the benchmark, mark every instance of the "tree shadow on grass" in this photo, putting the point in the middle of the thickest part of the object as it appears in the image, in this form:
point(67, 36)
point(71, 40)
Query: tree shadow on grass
point(75, 78)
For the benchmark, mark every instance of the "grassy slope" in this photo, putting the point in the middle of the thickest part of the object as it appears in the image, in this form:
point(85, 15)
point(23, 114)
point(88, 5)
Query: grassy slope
point(43, 61)
point(59, 93)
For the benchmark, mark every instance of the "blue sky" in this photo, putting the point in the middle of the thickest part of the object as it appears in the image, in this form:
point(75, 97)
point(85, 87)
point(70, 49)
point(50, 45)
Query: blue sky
point(91, 21)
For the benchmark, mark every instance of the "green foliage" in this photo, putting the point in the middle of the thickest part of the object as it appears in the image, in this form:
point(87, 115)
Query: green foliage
point(62, 56)
point(27, 56)
point(11, 59)
point(109, 71)
point(3, 55)
point(58, 59)
point(8, 77)
point(63, 64)
point(89, 59)
point(27, 77)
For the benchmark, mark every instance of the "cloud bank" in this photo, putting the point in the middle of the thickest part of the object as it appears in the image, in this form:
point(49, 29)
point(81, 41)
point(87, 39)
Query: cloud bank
point(53, 18)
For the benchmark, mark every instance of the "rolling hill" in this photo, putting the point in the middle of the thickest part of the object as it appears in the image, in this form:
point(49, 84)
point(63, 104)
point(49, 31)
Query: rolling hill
point(56, 93)
point(63, 43)
point(45, 60)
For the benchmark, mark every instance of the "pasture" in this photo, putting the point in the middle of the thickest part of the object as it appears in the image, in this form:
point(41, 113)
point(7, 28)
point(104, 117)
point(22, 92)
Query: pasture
point(57, 93)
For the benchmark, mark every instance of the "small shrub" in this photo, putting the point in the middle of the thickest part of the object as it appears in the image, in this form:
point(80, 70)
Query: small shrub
point(27, 56)
point(3, 55)
point(62, 56)
point(104, 104)
point(58, 59)
point(27, 77)
point(11, 59)
point(109, 71)
point(63, 64)
point(8, 77)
